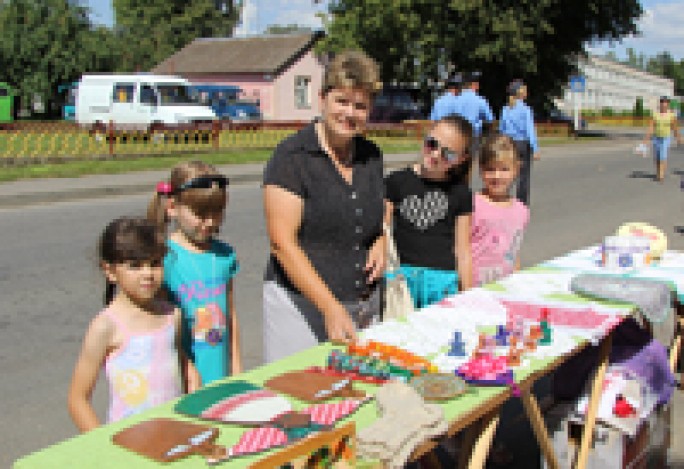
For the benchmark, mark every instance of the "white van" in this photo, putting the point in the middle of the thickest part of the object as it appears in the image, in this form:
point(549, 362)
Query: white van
point(140, 102)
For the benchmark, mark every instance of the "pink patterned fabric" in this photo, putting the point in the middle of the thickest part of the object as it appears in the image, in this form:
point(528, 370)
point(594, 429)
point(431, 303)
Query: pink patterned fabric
point(259, 439)
point(329, 413)
point(584, 318)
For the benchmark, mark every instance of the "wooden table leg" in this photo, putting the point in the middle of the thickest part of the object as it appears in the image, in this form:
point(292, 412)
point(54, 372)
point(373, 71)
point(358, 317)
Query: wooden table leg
point(674, 352)
point(539, 427)
point(477, 441)
point(594, 399)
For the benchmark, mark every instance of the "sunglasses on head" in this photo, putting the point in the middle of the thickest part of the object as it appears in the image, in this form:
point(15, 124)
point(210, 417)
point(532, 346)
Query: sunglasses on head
point(448, 155)
point(204, 182)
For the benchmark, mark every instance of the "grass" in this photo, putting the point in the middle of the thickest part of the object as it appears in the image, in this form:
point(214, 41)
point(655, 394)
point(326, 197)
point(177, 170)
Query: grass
point(129, 163)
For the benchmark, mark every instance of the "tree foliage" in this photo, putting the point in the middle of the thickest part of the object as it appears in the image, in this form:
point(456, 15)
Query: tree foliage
point(417, 41)
point(45, 43)
point(152, 30)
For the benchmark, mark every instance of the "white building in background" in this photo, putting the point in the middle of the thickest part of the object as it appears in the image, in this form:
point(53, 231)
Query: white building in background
point(610, 84)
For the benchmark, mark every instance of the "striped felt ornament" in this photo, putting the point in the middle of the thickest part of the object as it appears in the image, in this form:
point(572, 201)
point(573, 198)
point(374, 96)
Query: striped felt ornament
point(258, 440)
point(329, 413)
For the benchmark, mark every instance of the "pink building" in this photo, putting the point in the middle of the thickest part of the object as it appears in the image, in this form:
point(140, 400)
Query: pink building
point(282, 72)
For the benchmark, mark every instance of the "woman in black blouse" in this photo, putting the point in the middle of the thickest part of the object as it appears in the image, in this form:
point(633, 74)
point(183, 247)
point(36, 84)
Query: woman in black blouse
point(323, 199)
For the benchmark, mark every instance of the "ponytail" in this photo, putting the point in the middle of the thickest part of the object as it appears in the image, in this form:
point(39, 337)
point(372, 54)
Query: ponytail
point(156, 210)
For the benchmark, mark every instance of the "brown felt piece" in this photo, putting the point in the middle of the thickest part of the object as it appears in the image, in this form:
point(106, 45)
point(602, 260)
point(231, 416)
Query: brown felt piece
point(154, 438)
point(304, 385)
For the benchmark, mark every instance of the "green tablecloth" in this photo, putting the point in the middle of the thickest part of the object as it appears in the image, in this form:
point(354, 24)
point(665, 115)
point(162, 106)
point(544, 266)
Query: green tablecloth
point(95, 448)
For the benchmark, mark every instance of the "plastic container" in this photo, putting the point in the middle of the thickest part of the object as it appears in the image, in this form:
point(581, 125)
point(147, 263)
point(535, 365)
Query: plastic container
point(626, 252)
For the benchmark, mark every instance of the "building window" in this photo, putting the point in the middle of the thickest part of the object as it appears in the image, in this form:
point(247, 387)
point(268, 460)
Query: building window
point(302, 92)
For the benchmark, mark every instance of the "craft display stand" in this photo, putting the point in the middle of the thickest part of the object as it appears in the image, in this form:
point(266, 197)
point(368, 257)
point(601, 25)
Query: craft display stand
point(475, 414)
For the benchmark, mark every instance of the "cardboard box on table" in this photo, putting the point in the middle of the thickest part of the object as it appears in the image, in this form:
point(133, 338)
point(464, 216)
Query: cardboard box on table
point(611, 449)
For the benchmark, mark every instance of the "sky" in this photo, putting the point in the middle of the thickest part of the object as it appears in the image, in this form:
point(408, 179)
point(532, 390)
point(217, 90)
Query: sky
point(661, 26)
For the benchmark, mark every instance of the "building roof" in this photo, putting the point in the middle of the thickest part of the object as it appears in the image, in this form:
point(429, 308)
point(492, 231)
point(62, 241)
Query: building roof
point(268, 54)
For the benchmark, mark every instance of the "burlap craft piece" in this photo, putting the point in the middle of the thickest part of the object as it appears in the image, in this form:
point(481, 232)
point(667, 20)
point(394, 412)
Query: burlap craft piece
point(405, 422)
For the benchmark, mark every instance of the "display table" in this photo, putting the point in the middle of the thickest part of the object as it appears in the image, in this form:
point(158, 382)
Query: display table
point(476, 411)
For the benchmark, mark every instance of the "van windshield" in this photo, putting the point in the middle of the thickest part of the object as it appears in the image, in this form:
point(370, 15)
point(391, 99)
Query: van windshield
point(174, 95)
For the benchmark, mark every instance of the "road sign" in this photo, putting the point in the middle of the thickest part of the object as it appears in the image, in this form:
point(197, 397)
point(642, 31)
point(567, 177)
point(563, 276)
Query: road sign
point(578, 83)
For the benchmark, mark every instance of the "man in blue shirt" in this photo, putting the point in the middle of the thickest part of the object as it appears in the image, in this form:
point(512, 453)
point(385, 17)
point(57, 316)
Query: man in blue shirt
point(445, 104)
point(517, 121)
point(472, 106)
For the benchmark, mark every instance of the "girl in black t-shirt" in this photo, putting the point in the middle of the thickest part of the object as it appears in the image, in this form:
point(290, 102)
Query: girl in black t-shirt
point(430, 209)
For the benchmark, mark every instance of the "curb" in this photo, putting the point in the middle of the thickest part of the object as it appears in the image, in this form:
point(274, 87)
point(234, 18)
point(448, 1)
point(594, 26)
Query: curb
point(70, 194)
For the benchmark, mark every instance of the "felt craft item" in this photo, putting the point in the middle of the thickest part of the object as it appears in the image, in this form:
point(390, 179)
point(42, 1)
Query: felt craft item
point(236, 402)
point(438, 386)
point(487, 371)
point(405, 422)
point(311, 387)
point(166, 440)
point(339, 374)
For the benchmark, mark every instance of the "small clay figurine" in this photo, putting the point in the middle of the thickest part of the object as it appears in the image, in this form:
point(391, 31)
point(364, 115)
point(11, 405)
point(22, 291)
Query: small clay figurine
point(545, 328)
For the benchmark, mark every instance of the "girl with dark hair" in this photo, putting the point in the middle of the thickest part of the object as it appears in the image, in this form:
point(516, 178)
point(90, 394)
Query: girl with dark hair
point(430, 206)
point(136, 337)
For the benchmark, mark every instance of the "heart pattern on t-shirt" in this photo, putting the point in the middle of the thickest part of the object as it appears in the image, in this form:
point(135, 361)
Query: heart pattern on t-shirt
point(425, 212)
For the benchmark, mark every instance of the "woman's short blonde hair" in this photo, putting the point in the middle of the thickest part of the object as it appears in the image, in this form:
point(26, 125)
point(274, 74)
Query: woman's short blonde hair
point(352, 69)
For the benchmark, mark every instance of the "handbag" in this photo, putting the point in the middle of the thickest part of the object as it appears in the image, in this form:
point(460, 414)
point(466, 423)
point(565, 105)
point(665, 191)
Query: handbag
point(398, 301)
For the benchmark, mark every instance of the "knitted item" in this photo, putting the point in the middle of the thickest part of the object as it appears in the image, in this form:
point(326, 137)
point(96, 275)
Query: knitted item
point(405, 422)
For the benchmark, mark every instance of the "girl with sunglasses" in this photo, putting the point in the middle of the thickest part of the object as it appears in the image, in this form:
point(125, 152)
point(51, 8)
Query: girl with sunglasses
point(198, 268)
point(430, 209)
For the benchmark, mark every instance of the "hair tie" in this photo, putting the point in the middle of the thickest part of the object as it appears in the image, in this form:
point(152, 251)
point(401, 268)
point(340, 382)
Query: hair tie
point(164, 188)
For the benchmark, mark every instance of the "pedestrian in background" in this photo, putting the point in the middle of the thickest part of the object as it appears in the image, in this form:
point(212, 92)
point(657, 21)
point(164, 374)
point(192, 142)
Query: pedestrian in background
point(517, 121)
point(476, 110)
point(323, 200)
point(663, 124)
point(445, 104)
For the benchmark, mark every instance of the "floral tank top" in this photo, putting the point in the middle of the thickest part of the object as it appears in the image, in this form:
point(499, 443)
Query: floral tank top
point(144, 371)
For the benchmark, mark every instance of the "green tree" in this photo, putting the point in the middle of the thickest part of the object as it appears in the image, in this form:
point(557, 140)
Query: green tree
point(537, 40)
point(152, 30)
point(45, 43)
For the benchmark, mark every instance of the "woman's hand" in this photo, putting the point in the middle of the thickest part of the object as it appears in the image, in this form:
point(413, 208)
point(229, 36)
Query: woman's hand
point(376, 260)
point(339, 325)
point(536, 156)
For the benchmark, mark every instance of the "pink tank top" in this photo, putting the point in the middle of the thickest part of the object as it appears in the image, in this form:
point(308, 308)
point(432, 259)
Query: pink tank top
point(144, 371)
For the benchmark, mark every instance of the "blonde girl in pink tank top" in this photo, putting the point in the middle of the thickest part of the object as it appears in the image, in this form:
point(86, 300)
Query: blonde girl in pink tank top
point(136, 337)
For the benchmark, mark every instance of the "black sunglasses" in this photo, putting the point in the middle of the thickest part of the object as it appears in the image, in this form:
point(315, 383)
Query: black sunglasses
point(448, 155)
point(204, 182)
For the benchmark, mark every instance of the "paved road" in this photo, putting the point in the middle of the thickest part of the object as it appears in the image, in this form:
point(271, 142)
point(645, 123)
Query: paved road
point(50, 286)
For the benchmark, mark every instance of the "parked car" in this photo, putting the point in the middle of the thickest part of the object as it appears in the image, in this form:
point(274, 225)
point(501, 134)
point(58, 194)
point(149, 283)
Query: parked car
point(142, 102)
point(226, 102)
point(556, 116)
point(395, 105)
